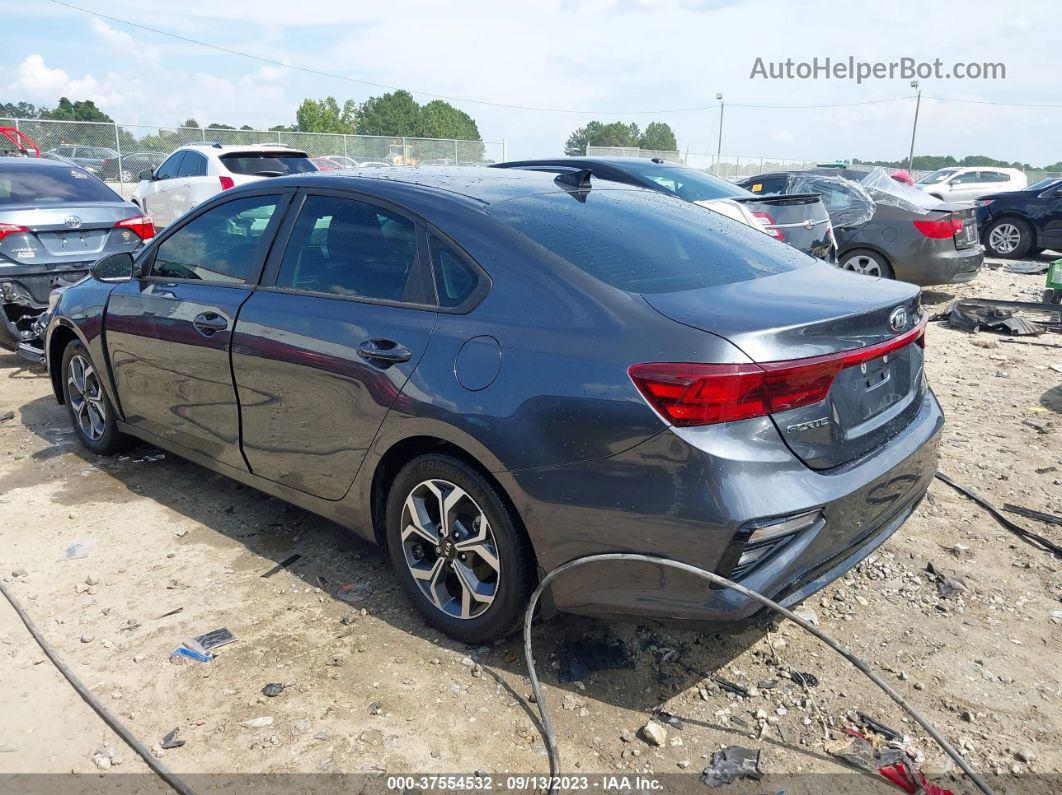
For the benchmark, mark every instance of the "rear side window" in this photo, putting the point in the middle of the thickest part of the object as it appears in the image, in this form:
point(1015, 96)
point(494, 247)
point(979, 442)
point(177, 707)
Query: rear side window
point(267, 164)
point(455, 280)
point(774, 186)
point(193, 165)
point(644, 242)
point(221, 245)
point(351, 248)
point(50, 185)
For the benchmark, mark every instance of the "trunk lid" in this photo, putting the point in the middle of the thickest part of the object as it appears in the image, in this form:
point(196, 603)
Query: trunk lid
point(798, 219)
point(66, 233)
point(813, 312)
point(965, 212)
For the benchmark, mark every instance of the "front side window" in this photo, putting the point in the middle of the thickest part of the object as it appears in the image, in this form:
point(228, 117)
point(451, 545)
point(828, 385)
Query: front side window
point(937, 176)
point(351, 248)
point(168, 170)
point(220, 246)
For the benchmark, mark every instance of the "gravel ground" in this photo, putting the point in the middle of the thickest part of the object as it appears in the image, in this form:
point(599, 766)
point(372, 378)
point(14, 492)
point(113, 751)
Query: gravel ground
point(370, 690)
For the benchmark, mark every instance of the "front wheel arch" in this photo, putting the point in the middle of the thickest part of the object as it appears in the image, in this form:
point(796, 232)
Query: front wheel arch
point(61, 337)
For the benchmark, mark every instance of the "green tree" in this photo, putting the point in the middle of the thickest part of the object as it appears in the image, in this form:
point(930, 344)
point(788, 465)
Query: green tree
point(19, 110)
point(658, 136)
point(439, 119)
point(82, 110)
point(190, 122)
point(396, 113)
point(325, 115)
point(597, 133)
point(246, 127)
point(218, 126)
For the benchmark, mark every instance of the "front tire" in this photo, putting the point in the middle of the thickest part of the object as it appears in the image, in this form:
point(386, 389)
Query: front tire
point(866, 262)
point(90, 410)
point(458, 550)
point(1009, 237)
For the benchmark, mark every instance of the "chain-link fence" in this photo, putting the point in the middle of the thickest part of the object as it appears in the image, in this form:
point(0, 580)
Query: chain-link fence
point(117, 153)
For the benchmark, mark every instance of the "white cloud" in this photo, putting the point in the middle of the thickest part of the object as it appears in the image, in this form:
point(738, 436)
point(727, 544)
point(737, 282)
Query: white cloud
point(783, 135)
point(121, 43)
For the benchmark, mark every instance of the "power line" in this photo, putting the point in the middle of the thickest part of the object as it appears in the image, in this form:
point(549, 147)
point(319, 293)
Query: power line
point(1001, 104)
point(332, 75)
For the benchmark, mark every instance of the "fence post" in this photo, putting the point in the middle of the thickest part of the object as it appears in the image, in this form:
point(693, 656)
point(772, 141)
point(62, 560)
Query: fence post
point(16, 126)
point(118, 149)
point(202, 133)
point(278, 137)
point(345, 145)
point(456, 156)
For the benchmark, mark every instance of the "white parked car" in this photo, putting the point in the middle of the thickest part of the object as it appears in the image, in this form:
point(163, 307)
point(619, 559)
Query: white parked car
point(963, 184)
point(194, 173)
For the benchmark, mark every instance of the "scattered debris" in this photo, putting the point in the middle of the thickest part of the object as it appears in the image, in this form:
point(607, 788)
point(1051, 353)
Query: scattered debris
point(355, 592)
point(273, 689)
point(1027, 267)
point(173, 612)
point(804, 679)
point(1029, 513)
point(214, 639)
point(257, 723)
point(376, 708)
point(7, 415)
point(858, 751)
point(1018, 318)
point(582, 656)
point(190, 653)
point(808, 615)
point(674, 721)
point(730, 764)
point(281, 566)
point(947, 586)
point(880, 728)
point(731, 687)
point(79, 549)
point(171, 741)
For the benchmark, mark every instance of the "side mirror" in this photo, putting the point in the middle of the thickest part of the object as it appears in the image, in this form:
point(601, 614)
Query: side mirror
point(114, 268)
point(147, 174)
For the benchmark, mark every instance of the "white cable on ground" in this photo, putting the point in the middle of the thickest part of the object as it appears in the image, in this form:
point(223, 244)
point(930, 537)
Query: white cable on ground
point(119, 728)
point(547, 727)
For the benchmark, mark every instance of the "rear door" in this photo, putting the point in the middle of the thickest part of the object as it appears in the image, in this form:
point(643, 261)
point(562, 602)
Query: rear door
point(1049, 216)
point(168, 333)
point(320, 356)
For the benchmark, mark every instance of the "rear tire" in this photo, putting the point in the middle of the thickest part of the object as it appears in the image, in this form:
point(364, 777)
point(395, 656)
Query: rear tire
point(1008, 237)
point(91, 412)
point(470, 574)
point(866, 262)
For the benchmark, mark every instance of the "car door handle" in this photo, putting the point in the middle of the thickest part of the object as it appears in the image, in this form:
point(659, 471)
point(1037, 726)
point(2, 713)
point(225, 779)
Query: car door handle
point(210, 323)
point(384, 351)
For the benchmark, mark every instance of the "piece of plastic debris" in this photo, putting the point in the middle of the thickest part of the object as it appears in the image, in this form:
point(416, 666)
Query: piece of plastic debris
point(804, 679)
point(171, 741)
point(257, 723)
point(281, 566)
point(911, 780)
point(859, 752)
point(880, 728)
point(674, 721)
point(79, 549)
point(355, 592)
point(173, 612)
point(214, 639)
point(582, 656)
point(731, 687)
point(191, 654)
point(731, 764)
point(1029, 513)
point(7, 415)
point(273, 689)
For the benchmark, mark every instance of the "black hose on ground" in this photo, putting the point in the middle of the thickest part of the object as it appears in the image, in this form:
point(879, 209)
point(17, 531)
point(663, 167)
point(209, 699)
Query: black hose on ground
point(119, 728)
point(715, 579)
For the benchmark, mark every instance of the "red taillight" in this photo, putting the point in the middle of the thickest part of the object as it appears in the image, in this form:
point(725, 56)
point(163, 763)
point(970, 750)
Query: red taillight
point(939, 230)
point(227, 182)
point(142, 226)
point(12, 229)
point(768, 225)
point(704, 394)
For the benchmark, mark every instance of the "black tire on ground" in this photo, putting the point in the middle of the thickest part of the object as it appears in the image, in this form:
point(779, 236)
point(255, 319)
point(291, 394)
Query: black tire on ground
point(94, 420)
point(515, 577)
point(1025, 238)
point(1034, 252)
point(858, 260)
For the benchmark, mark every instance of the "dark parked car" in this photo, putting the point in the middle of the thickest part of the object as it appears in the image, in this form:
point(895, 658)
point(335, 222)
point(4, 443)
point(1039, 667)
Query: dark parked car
point(135, 162)
point(1023, 222)
point(55, 221)
point(909, 236)
point(101, 160)
point(798, 220)
point(493, 372)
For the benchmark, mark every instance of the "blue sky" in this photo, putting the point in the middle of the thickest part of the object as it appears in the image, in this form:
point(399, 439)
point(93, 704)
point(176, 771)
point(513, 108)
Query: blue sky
point(601, 55)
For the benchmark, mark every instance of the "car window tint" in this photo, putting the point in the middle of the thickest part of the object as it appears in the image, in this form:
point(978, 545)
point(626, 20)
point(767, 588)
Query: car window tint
point(218, 246)
point(455, 279)
point(268, 164)
point(644, 242)
point(193, 165)
point(168, 170)
point(48, 184)
point(347, 247)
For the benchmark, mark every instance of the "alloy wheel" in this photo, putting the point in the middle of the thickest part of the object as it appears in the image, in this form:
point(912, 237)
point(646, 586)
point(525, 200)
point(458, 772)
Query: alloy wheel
point(1004, 238)
point(86, 398)
point(449, 547)
point(862, 263)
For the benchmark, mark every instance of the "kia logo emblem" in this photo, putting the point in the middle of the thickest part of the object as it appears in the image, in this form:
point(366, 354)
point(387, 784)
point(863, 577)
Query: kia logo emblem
point(73, 222)
point(898, 318)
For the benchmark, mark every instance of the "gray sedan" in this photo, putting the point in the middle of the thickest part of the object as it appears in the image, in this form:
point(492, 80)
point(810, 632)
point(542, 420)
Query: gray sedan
point(56, 219)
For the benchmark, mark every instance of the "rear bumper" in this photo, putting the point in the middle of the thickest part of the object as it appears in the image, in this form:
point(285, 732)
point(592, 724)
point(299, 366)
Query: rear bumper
point(685, 495)
point(24, 295)
point(941, 263)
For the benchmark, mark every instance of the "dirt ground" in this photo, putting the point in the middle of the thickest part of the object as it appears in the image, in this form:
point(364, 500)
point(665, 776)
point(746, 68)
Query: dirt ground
point(371, 692)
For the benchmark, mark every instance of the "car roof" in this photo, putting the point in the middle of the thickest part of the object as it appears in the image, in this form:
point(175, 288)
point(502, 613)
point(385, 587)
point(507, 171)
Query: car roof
point(210, 146)
point(481, 185)
point(617, 162)
point(43, 162)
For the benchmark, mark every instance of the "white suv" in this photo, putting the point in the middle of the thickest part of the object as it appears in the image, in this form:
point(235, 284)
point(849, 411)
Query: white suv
point(194, 173)
point(962, 184)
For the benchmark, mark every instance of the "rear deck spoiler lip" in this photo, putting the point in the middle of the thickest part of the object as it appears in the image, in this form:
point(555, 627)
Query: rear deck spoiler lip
point(782, 198)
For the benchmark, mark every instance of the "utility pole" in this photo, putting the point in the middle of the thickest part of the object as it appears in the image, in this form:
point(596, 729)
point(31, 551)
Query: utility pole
point(914, 128)
point(719, 145)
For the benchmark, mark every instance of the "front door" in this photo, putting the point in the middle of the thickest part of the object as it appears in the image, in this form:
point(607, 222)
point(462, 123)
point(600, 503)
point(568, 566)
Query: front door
point(321, 356)
point(168, 333)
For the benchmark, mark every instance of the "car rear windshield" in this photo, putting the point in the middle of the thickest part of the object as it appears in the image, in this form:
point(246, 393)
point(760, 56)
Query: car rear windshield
point(51, 184)
point(268, 164)
point(686, 183)
point(643, 242)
